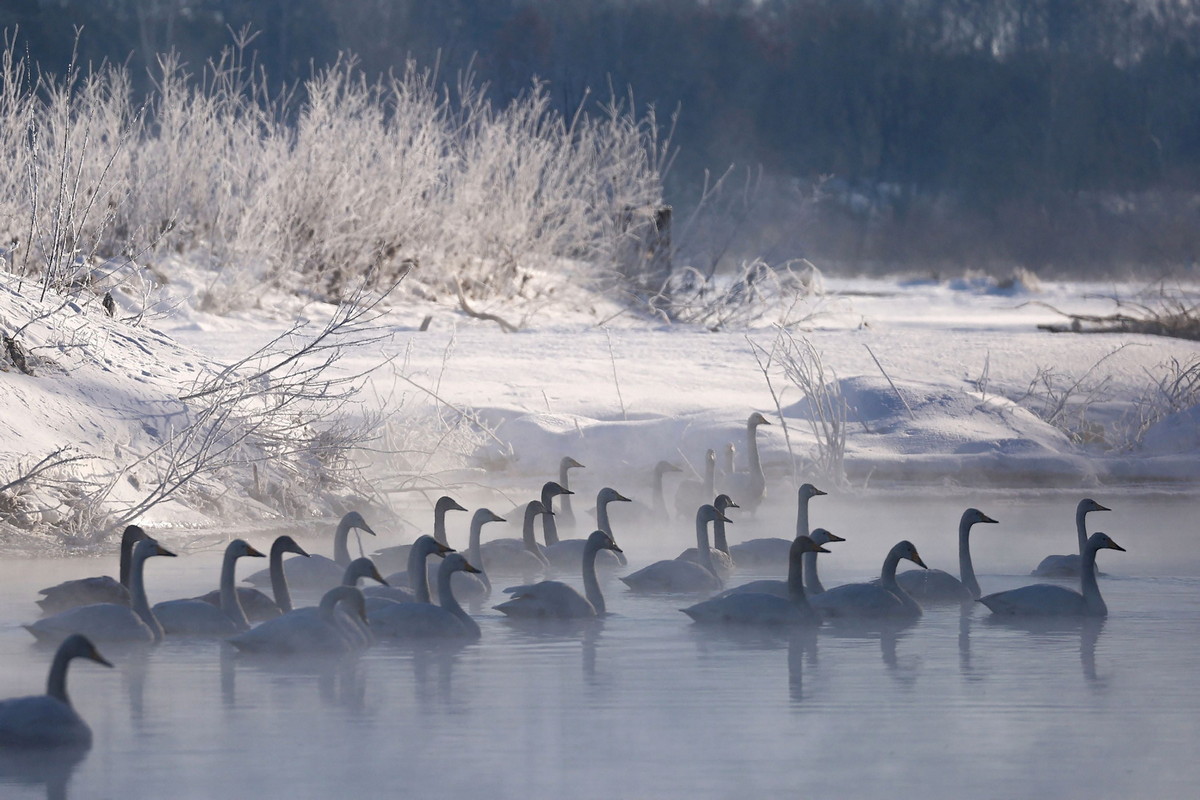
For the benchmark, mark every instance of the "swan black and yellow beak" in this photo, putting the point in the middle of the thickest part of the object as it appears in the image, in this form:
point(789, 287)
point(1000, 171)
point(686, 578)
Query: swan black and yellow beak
point(1114, 546)
point(468, 568)
point(916, 559)
point(833, 537)
point(94, 655)
point(443, 549)
point(818, 493)
point(985, 518)
point(162, 551)
point(250, 551)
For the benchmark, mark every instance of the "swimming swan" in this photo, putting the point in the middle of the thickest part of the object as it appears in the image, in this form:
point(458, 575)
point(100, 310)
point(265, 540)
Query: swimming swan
point(474, 551)
point(565, 514)
point(424, 620)
point(1068, 566)
point(257, 606)
point(110, 622)
point(723, 564)
point(306, 631)
point(884, 599)
point(682, 576)
point(749, 488)
point(521, 556)
point(939, 586)
point(318, 573)
point(195, 617)
point(417, 577)
point(779, 588)
point(100, 589)
point(395, 559)
point(557, 600)
point(774, 550)
point(565, 554)
point(753, 608)
point(49, 720)
point(1046, 599)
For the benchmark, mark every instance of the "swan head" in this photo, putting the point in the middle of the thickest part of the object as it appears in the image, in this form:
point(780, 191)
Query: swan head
point(707, 513)
point(570, 463)
point(1102, 541)
point(286, 544)
point(808, 490)
point(610, 495)
point(603, 541)
point(723, 502)
point(132, 535)
point(973, 515)
point(362, 568)
point(456, 562)
point(1087, 505)
point(907, 549)
point(79, 646)
point(823, 536)
point(149, 547)
point(354, 521)
point(430, 546)
point(240, 547)
point(756, 419)
point(485, 515)
point(802, 545)
point(533, 508)
point(663, 467)
point(552, 489)
point(446, 503)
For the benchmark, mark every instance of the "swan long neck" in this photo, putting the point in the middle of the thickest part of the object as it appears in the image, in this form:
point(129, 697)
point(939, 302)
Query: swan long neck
point(710, 476)
point(527, 533)
point(279, 584)
point(341, 551)
point(127, 543)
point(474, 552)
point(702, 542)
point(566, 498)
point(418, 580)
point(449, 601)
point(752, 452)
point(230, 603)
point(719, 540)
point(1081, 528)
point(802, 528)
point(549, 526)
point(137, 595)
point(56, 683)
point(591, 585)
point(887, 578)
point(812, 583)
point(795, 578)
point(660, 502)
point(966, 570)
point(602, 518)
point(1088, 585)
point(439, 526)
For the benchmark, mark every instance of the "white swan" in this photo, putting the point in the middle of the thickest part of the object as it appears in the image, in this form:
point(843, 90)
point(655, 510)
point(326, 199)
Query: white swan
point(755, 608)
point(109, 622)
point(693, 493)
point(557, 600)
point(395, 559)
point(779, 588)
point(195, 617)
point(423, 620)
point(257, 606)
point(517, 556)
point(100, 589)
point(749, 487)
point(882, 600)
point(566, 516)
point(1047, 599)
point(551, 490)
point(306, 631)
point(49, 720)
point(938, 586)
point(723, 564)
point(317, 573)
point(682, 576)
point(1068, 566)
point(474, 550)
point(565, 554)
point(727, 455)
point(416, 577)
point(773, 550)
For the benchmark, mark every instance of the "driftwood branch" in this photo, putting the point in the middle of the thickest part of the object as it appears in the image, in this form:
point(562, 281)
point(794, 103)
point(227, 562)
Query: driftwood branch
point(504, 324)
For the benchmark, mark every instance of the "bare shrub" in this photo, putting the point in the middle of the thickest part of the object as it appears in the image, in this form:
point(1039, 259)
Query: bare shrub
point(787, 296)
point(1174, 387)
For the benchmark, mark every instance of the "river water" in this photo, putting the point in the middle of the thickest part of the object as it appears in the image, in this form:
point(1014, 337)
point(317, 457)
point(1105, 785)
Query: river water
point(644, 704)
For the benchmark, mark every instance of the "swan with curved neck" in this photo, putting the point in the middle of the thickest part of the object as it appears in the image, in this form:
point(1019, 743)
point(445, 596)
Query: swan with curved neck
point(779, 588)
point(1067, 566)
point(416, 576)
point(100, 589)
point(565, 514)
point(317, 572)
point(110, 622)
point(474, 551)
point(257, 606)
point(567, 552)
point(882, 600)
point(194, 617)
point(673, 575)
point(693, 493)
point(557, 600)
point(551, 490)
point(749, 487)
point(395, 559)
point(761, 608)
point(308, 631)
point(1047, 599)
point(722, 562)
point(406, 621)
point(938, 586)
point(49, 720)
point(773, 550)
point(522, 556)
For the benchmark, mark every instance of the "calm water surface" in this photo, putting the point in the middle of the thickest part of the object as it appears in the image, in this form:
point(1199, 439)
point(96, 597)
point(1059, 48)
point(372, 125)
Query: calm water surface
point(644, 704)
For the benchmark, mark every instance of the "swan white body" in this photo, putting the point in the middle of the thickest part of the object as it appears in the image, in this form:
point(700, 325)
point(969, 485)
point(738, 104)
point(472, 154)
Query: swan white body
point(748, 488)
point(882, 600)
point(1067, 566)
point(773, 550)
point(1047, 599)
point(682, 576)
point(517, 556)
point(939, 586)
point(566, 515)
point(100, 589)
point(195, 617)
point(406, 621)
point(49, 720)
point(417, 576)
point(557, 600)
point(756, 608)
point(306, 631)
point(779, 588)
point(566, 553)
point(256, 605)
point(110, 622)
point(317, 573)
point(722, 562)
point(395, 559)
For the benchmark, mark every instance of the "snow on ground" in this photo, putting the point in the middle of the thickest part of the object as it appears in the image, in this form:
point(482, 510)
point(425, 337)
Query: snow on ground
point(937, 378)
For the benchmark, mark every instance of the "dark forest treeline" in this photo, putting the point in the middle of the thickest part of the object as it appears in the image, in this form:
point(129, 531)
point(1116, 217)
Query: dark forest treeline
point(1036, 132)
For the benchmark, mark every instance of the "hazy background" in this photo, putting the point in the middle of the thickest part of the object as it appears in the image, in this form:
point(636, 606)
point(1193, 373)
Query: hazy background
point(1060, 135)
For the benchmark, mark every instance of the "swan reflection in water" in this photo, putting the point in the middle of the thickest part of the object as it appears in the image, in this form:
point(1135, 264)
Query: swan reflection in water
point(1047, 632)
point(52, 768)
